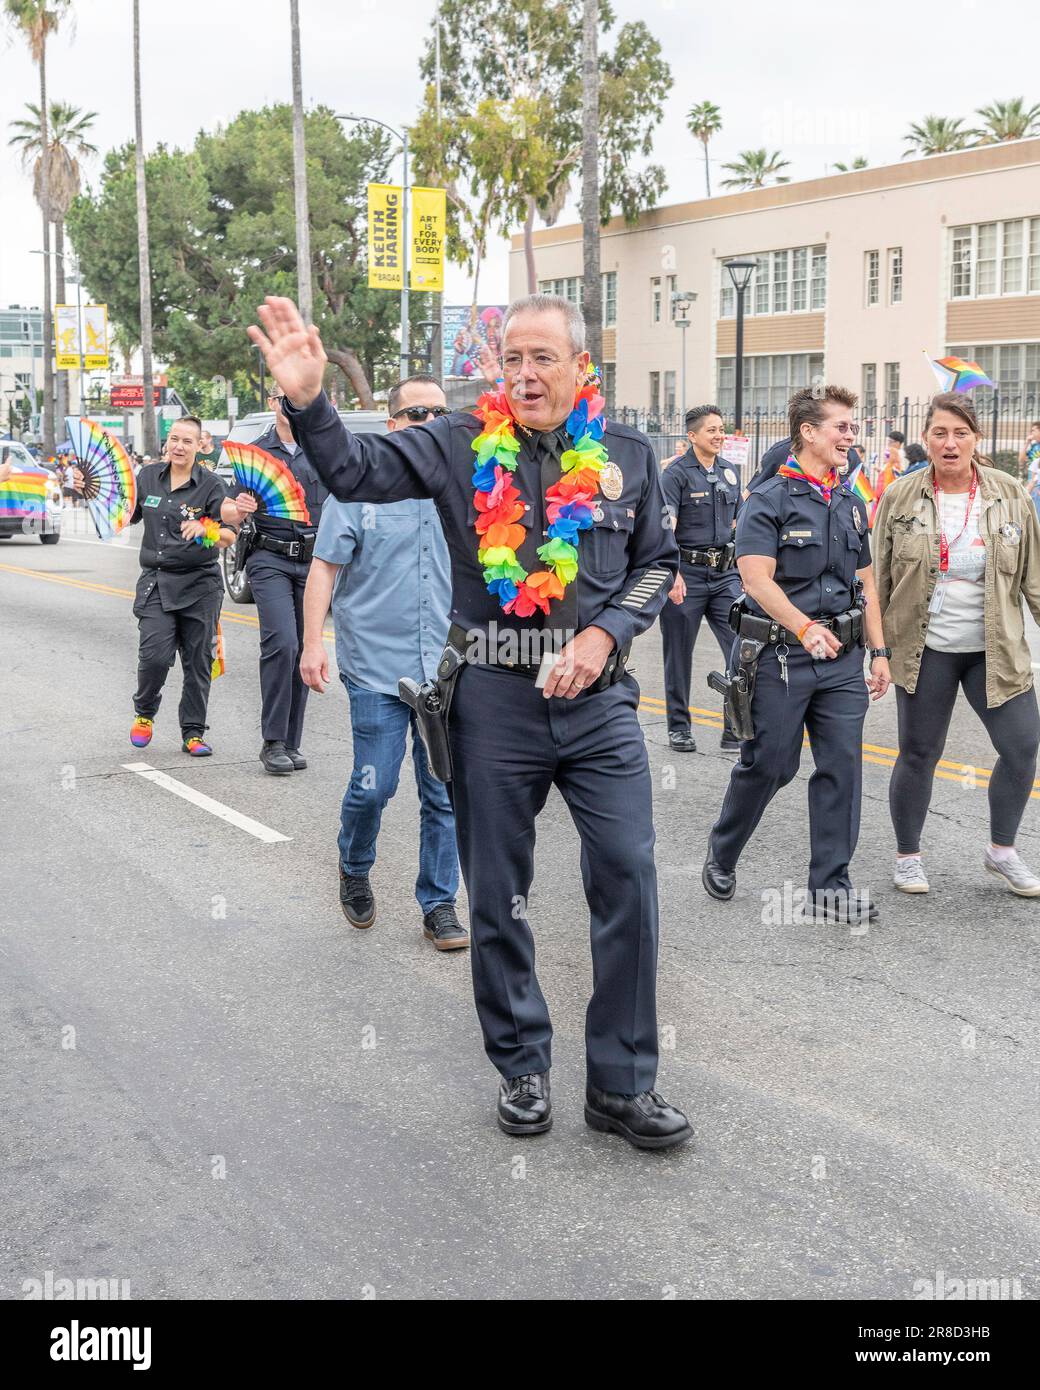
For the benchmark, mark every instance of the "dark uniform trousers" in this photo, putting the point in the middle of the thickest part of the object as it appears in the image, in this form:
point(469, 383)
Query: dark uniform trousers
point(830, 699)
point(592, 749)
point(188, 631)
point(278, 583)
point(710, 595)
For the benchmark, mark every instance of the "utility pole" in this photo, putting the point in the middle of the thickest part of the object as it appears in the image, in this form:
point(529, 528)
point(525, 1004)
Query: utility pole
point(144, 267)
point(303, 227)
point(592, 292)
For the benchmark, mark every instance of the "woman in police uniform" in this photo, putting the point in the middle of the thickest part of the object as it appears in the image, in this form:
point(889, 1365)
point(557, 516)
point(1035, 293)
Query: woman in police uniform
point(802, 542)
point(702, 493)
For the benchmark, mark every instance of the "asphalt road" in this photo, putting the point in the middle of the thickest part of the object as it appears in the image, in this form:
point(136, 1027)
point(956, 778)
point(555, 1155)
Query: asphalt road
point(214, 1087)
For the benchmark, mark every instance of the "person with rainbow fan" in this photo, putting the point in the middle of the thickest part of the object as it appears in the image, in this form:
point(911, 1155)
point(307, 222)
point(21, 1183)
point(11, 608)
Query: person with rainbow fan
point(553, 520)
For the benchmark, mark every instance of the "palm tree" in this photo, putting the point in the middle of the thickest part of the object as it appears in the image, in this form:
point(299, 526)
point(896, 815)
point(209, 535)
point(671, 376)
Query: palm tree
point(858, 163)
point(303, 222)
point(703, 122)
point(1007, 120)
point(591, 285)
point(36, 20)
point(67, 127)
point(144, 264)
point(936, 135)
point(753, 167)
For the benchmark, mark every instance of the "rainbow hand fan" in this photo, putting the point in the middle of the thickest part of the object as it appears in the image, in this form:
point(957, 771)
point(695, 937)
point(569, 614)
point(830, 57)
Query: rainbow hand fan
point(24, 494)
point(271, 481)
point(108, 477)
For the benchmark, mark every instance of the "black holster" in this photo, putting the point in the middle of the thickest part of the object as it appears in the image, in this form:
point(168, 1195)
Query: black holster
point(245, 544)
point(738, 689)
point(431, 702)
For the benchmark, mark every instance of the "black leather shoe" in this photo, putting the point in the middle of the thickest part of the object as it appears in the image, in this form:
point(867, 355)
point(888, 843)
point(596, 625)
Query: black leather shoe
point(647, 1121)
point(719, 882)
point(275, 759)
point(845, 908)
point(682, 741)
point(357, 899)
point(524, 1106)
point(729, 743)
point(297, 759)
point(443, 928)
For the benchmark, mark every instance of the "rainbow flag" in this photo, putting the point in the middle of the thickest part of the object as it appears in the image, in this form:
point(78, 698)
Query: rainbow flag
point(859, 483)
point(955, 374)
point(24, 494)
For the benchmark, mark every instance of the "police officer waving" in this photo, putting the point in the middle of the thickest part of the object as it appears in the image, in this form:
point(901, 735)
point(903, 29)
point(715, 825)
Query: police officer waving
point(278, 564)
point(802, 545)
point(511, 481)
point(702, 493)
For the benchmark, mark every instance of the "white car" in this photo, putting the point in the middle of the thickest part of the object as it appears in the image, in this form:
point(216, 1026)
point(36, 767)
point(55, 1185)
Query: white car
point(249, 429)
point(19, 517)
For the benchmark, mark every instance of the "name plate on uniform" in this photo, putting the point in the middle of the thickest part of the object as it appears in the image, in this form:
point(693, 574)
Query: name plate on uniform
point(152, 501)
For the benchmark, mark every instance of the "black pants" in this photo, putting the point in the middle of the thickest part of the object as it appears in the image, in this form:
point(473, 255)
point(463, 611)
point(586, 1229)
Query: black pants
point(708, 595)
point(509, 745)
point(188, 631)
point(278, 584)
point(924, 719)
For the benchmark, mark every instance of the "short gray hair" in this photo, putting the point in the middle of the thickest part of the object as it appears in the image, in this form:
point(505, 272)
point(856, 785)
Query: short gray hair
point(550, 303)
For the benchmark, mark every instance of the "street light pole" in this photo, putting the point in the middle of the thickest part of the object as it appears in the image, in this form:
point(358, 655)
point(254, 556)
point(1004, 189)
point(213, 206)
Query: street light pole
point(681, 302)
point(405, 344)
point(740, 273)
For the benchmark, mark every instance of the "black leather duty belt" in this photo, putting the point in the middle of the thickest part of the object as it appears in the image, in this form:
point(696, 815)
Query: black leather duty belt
point(301, 549)
point(461, 640)
point(721, 558)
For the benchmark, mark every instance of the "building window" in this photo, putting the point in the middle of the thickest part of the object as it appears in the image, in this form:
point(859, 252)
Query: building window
point(769, 382)
point(783, 282)
point(727, 298)
point(569, 288)
point(760, 286)
point(891, 388)
point(655, 299)
point(872, 275)
point(781, 273)
point(655, 391)
point(669, 393)
point(818, 298)
point(869, 391)
point(609, 291)
point(672, 284)
point(995, 258)
point(609, 386)
point(800, 279)
point(895, 275)
point(1015, 367)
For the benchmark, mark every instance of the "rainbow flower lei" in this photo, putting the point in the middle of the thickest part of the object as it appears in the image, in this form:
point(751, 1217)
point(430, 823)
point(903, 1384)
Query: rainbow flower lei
point(210, 532)
point(568, 502)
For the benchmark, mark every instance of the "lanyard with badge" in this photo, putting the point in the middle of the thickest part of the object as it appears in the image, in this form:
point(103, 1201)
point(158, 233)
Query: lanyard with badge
point(939, 593)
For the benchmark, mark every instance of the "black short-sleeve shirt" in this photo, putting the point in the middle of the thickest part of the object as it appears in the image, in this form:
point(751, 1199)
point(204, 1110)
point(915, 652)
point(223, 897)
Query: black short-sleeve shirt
point(818, 547)
point(704, 501)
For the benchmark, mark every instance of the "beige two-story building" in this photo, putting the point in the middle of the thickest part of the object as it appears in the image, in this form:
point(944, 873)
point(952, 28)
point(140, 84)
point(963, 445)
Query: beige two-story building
point(857, 276)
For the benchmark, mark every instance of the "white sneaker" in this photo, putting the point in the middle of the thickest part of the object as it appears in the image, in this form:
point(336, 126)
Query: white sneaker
point(909, 876)
point(1018, 876)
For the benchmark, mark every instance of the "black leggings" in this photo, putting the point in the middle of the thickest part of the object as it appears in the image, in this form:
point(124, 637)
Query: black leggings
point(924, 719)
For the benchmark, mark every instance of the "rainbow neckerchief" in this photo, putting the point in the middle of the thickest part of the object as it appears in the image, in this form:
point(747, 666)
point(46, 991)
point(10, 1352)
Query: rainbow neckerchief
point(793, 469)
point(568, 502)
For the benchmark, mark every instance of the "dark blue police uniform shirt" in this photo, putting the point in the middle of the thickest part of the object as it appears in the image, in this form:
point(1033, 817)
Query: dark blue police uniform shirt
point(777, 455)
point(817, 547)
point(314, 490)
point(627, 561)
point(704, 501)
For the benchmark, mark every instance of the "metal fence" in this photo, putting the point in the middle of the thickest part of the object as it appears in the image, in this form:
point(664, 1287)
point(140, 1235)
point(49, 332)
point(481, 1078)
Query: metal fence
point(1004, 419)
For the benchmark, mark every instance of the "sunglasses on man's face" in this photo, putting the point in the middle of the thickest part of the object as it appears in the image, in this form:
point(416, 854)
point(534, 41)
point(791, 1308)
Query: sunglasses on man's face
point(276, 399)
point(418, 413)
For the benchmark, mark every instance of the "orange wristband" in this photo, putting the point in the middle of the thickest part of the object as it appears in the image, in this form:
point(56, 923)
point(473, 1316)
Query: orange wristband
point(804, 629)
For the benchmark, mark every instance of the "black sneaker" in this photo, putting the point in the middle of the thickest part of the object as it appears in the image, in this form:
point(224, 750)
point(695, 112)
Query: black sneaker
point(275, 759)
point(682, 741)
point(443, 928)
point(297, 759)
point(729, 743)
point(356, 899)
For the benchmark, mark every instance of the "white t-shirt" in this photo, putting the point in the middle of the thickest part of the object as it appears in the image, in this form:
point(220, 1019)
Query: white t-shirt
point(956, 621)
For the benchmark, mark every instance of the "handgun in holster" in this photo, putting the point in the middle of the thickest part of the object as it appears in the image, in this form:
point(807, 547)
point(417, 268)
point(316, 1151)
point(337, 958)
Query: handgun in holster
point(431, 702)
point(738, 689)
point(246, 543)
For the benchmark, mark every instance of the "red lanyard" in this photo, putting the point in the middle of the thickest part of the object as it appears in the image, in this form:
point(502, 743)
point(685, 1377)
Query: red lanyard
point(944, 544)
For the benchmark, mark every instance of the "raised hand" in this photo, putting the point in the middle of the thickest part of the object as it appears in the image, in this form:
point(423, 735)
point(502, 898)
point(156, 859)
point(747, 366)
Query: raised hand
point(293, 352)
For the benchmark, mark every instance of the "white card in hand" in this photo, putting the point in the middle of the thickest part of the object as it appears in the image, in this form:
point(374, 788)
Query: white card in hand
point(549, 660)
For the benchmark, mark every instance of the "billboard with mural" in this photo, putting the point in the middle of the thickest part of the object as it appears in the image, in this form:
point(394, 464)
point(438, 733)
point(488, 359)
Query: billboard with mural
point(467, 329)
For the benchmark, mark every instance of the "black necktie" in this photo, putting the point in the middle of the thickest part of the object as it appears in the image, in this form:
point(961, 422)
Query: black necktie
point(563, 612)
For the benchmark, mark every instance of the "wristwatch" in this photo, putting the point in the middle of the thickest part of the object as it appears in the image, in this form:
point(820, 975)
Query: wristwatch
point(880, 651)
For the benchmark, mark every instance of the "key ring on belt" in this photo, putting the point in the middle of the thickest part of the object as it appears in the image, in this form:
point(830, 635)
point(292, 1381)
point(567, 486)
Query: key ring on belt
point(783, 651)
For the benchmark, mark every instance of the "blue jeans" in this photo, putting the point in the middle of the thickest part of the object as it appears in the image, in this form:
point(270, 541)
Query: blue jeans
point(379, 724)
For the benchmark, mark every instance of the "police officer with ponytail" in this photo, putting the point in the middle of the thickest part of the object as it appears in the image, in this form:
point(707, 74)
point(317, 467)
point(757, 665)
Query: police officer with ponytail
point(702, 493)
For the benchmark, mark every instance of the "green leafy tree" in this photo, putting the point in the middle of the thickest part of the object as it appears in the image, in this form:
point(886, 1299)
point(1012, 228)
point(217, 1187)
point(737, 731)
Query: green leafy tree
point(754, 169)
point(704, 121)
point(858, 163)
point(936, 135)
point(509, 140)
point(222, 235)
point(1006, 120)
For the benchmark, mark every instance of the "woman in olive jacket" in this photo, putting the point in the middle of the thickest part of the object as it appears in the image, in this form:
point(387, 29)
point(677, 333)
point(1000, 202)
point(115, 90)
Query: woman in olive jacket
point(956, 550)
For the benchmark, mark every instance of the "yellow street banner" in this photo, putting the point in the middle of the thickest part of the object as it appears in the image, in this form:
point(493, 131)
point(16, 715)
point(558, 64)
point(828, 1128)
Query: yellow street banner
point(385, 249)
point(66, 338)
point(429, 214)
point(95, 331)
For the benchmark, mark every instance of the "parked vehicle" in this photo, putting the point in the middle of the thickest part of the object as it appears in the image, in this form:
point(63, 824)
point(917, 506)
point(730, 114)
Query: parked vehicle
point(22, 515)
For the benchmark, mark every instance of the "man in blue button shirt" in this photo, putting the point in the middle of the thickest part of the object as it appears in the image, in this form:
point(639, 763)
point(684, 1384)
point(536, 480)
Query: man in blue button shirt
point(386, 569)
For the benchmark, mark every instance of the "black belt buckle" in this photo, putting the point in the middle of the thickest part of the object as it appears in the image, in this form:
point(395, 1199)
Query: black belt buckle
point(294, 550)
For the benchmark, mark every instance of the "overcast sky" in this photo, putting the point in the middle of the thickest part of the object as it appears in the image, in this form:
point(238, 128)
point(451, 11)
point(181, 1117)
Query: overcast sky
point(821, 82)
